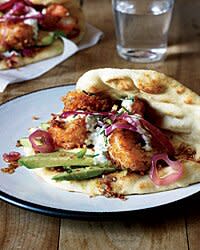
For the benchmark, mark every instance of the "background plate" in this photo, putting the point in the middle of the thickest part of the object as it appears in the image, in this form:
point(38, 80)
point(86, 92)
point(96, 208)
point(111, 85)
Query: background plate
point(27, 190)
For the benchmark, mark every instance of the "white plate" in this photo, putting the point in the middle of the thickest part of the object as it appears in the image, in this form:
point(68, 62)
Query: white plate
point(28, 191)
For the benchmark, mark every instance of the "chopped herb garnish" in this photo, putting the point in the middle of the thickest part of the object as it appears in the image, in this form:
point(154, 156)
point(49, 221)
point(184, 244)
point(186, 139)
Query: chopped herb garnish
point(88, 155)
point(115, 107)
point(126, 110)
point(120, 113)
point(102, 131)
point(58, 33)
point(106, 140)
point(90, 94)
point(127, 98)
point(109, 121)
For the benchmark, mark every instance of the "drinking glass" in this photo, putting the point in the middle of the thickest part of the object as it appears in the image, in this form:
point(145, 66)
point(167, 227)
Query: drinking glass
point(141, 28)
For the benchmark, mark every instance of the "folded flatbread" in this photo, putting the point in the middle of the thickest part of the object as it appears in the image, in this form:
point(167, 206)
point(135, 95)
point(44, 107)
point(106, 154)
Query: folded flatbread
point(177, 111)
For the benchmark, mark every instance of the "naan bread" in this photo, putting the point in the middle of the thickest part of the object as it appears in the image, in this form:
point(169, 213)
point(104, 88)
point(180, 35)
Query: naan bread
point(179, 113)
point(44, 53)
point(178, 107)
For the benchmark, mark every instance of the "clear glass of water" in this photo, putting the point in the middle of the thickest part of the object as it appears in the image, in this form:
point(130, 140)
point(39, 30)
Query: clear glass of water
point(142, 28)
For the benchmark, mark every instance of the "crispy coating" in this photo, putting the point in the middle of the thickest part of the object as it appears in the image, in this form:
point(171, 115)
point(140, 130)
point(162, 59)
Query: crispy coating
point(16, 36)
point(78, 100)
point(138, 106)
point(70, 134)
point(58, 17)
point(126, 152)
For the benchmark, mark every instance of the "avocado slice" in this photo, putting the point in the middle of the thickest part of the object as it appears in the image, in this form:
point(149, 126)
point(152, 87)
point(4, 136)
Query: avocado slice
point(45, 38)
point(83, 173)
point(55, 159)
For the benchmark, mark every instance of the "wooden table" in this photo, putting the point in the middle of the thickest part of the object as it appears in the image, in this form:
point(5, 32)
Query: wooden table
point(171, 227)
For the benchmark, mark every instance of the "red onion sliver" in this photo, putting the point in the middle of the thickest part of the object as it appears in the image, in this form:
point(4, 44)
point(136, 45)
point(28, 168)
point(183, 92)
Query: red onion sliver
point(159, 136)
point(7, 5)
point(68, 113)
point(134, 121)
point(19, 9)
point(12, 156)
point(21, 18)
point(28, 52)
point(169, 179)
point(46, 140)
point(19, 12)
point(114, 126)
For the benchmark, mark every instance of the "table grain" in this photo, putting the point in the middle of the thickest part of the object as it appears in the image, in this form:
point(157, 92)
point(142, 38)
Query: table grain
point(175, 226)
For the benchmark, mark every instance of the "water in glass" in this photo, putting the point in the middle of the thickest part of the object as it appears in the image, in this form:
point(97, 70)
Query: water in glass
point(142, 28)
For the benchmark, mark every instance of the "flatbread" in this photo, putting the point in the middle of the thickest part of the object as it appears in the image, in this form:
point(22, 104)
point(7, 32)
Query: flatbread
point(177, 106)
point(44, 53)
point(125, 184)
point(57, 47)
point(179, 113)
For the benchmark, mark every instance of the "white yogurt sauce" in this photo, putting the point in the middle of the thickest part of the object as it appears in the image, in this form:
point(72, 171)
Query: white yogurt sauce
point(10, 53)
point(34, 24)
point(98, 139)
point(127, 104)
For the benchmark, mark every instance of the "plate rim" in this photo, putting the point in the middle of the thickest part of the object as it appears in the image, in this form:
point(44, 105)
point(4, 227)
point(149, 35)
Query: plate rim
point(37, 90)
point(83, 215)
point(65, 213)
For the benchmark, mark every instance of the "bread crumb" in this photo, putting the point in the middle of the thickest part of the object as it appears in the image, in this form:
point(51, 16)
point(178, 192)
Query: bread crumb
point(180, 90)
point(188, 100)
point(34, 117)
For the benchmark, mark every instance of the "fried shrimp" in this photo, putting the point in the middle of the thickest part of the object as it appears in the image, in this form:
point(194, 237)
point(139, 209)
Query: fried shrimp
point(16, 36)
point(126, 152)
point(68, 135)
point(78, 100)
point(138, 106)
point(58, 17)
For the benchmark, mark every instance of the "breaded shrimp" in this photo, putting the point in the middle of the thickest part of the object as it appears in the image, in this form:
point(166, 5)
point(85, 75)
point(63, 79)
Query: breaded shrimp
point(68, 135)
point(126, 152)
point(78, 100)
point(16, 36)
point(138, 106)
point(58, 17)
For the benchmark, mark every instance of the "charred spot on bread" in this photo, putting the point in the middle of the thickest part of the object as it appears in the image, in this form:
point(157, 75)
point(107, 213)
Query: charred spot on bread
point(121, 83)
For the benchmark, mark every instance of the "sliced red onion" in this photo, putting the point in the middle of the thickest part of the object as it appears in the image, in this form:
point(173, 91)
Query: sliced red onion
point(68, 113)
point(114, 126)
point(28, 2)
point(28, 52)
point(19, 9)
point(7, 5)
point(44, 138)
point(169, 179)
point(131, 119)
point(12, 156)
point(100, 123)
point(37, 16)
point(159, 136)
point(19, 12)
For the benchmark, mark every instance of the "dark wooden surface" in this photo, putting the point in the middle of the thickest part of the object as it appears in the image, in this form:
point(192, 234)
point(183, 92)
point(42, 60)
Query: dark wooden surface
point(171, 227)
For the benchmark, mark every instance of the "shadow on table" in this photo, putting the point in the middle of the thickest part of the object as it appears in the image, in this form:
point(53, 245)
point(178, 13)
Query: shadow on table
point(184, 35)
